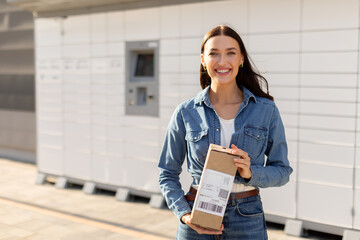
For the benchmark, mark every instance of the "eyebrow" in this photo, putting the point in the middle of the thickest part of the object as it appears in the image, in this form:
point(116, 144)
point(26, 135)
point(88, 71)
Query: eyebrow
point(228, 49)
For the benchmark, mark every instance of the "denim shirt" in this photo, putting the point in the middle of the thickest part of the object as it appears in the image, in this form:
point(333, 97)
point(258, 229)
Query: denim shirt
point(259, 131)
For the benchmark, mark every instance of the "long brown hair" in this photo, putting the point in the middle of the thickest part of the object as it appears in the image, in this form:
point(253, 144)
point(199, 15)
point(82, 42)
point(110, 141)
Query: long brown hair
point(247, 75)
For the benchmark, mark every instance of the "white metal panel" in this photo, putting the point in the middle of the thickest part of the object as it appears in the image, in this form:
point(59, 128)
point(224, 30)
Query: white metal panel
point(48, 52)
point(169, 47)
point(115, 49)
point(98, 109)
point(49, 114)
point(291, 133)
point(165, 115)
point(323, 173)
point(50, 140)
point(328, 94)
point(98, 50)
point(116, 148)
point(190, 79)
point(98, 147)
point(77, 164)
point(334, 14)
point(76, 29)
point(326, 108)
point(100, 169)
point(190, 64)
point(189, 91)
point(282, 79)
point(149, 152)
point(169, 79)
point(99, 131)
point(76, 65)
point(268, 16)
point(191, 16)
point(329, 80)
point(190, 46)
point(142, 135)
point(99, 119)
point(54, 126)
point(285, 93)
point(274, 43)
point(50, 160)
point(293, 151)
point(286, 62)
point(169, 64)
point(98, 28)
point(331, 155)
point(236, 15)
point(115, 26)
point(325, 204)
point(48, 31)
point(142, 28)
point(340, 40)
point(290, 120)
point(77, 129)
point(134, 174)
point(327, 136)
point(280, 201)
point(77, 143)
point(76, 51)
point(327, 123)
point(117, 173)
point(48, 106)
point(170, 22)
point(328, 62)
point(116, 65)
point(99, 67)
point(287, 106)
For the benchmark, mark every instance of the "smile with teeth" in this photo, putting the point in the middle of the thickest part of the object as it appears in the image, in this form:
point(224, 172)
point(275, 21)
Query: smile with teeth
point(223, 70)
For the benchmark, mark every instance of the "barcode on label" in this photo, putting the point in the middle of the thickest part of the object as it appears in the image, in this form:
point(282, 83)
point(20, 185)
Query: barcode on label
point(210, 207)
point(223, 193)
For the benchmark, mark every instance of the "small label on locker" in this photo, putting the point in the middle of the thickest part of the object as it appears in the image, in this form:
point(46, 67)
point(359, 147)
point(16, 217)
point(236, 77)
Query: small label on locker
point(152, 44)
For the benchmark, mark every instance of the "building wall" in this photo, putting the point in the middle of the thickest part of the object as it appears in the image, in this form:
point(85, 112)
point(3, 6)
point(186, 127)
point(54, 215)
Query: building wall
point(17, 84)
point(308, 51)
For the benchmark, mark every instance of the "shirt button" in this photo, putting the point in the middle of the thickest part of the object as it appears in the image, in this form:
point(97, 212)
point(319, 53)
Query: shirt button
point(217, 129)
point(195, 138)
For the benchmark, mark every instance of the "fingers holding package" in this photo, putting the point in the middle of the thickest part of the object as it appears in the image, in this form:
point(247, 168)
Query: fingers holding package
point(242, 162)
point(200, 230)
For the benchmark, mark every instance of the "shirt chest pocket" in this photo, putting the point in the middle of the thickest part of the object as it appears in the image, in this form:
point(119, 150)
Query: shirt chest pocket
point(198, 144)
point(255, 140)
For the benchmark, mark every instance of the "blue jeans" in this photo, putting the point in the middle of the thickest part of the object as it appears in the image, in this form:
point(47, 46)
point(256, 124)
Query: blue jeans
point(243, 220)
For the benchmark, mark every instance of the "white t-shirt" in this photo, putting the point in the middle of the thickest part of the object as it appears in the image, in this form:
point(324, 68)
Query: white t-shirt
point(227, 130)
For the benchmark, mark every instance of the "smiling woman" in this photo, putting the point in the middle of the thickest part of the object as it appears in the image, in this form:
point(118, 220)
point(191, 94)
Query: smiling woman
point(232, 110)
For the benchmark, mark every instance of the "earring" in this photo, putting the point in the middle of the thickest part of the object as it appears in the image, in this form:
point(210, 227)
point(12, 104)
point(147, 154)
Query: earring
point(204, 67)
point(242, 64)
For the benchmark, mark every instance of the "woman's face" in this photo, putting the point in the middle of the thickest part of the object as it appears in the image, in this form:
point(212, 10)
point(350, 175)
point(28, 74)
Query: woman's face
point(222, 58)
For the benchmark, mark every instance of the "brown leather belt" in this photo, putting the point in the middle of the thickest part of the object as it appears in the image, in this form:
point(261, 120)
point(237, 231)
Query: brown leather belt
point(239, 195)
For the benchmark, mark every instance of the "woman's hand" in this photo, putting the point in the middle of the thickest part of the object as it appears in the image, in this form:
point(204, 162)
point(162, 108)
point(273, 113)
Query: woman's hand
point(187, 219)
point(242, 162)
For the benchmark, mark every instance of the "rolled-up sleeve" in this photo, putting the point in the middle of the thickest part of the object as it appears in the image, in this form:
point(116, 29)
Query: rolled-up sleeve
point(277, 170)
point(170, 165)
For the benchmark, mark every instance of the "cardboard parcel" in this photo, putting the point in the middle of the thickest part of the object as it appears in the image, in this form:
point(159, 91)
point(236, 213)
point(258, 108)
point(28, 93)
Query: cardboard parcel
point(214, 189)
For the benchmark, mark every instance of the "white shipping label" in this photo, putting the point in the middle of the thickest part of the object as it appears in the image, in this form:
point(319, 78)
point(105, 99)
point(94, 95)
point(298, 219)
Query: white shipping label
point(214, 192)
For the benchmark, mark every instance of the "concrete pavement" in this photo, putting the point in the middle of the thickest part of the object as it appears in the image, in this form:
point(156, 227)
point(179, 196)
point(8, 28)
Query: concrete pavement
point(30, 211)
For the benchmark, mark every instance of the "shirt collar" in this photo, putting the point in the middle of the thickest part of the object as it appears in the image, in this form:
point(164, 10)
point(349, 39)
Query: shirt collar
point(203, 96)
